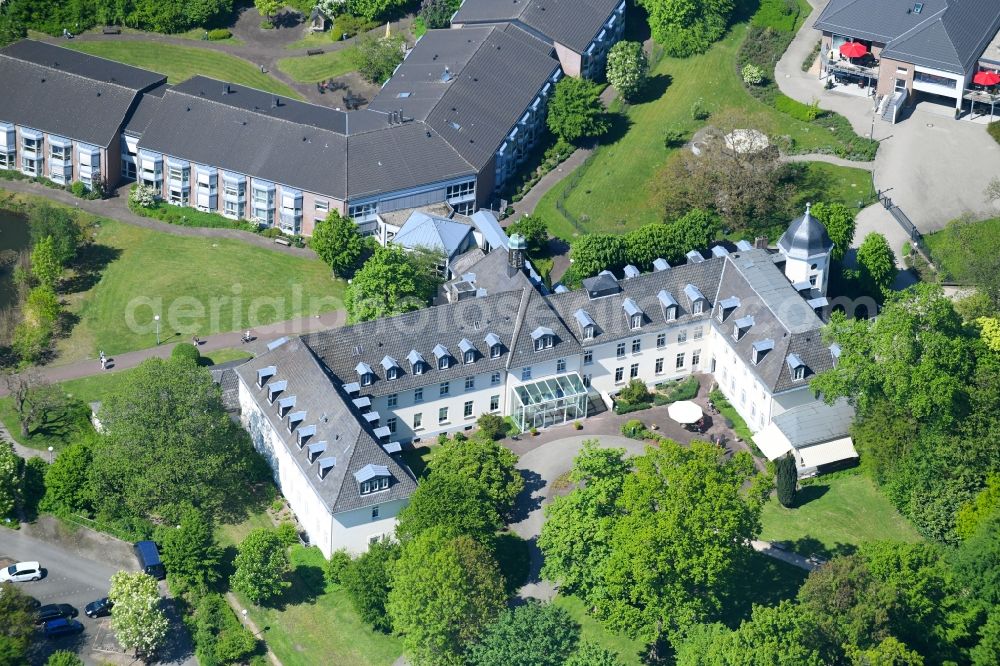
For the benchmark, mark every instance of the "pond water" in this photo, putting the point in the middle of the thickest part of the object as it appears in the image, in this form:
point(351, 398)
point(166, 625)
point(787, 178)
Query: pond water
point(13, 238)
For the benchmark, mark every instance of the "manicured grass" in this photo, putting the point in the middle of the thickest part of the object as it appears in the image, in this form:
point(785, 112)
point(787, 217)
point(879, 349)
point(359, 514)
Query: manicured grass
point(614, 190)
point(835, 184)
point(629, 651)
point(197, 285)
point(311, 69)
point(180, 63)
point(313, 40)
point(950, 247)
point(835, 515)
point(315, 622)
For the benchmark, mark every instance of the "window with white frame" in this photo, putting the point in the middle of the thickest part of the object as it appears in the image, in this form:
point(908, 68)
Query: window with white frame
point(470, 383)
point(799, 373)
point(588, 332)
point(636, 321)
point(418, 421)
point(661, 340)
point(418, 395)
point(374, 485)
point(561, 365)
point(620, 350)
point(262, 203)
point(362, 212)
point(444, 388)
point(467, 409)
point(659, 366)
point(525, 373)
point(586, 379)
point(588, 357)
point(443, 415)
point(636, 346)
point(495, 351)
point(633, 371)
point(680, 361)
point(374, 513)
point(670, 313)
point(390, 423)
point(695, 358)
point(619, 375)
point(697, 333)
point(682, 337)
point(495, 379)
point(392, 400)
point(698, 307)
point(322, 205)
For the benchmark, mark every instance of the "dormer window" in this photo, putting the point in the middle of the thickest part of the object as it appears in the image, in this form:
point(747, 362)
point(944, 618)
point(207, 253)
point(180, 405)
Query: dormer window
point(416, 362)
point(543, 337)
point(325, 466)
point(314, 451)
point(392, 373)
point(797, 367)
point(586, 322)
point(391, 368)
point(372, 478)
point(469, 351)
point(741, 326)
point(727, 306)
point(799, 373)
point(264, 374)
point(760, 350)
point(365, 374)
point(669, 305)
point(695, 298)
point(634, 314)
point(274, 389)
point(443, 357)
point(492, 341)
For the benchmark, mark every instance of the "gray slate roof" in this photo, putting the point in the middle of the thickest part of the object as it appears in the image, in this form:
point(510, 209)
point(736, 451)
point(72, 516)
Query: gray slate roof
point(349, 443)
point(815, 422)
point(491, 79)
point(224, 374)
point(947, 34)
point(490, 271)
point(422, 331)
point(572, 23)
point(144, 110)
point(67, 93)
point(806, 237)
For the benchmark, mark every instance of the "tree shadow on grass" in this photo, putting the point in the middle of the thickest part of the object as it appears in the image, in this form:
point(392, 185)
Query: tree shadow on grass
point(808, 546)
point(810, 493)
point(90, 261)
point(307, 583)
point(655, 87)
point(762, 580)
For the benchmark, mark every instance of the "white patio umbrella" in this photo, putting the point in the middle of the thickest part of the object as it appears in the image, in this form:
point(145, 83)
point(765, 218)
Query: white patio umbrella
point(684, 411)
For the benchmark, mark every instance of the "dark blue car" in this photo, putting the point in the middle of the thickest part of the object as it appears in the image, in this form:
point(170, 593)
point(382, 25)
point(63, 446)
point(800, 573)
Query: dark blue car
point(61, 627)
point(99, 608)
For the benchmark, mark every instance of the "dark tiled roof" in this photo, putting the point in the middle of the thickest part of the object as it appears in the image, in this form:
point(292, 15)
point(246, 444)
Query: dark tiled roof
point(224, 374)
point(538, 311)
point(573, 23)
point(422, 330)
point(490, 271)
point(350, 443)
point(946, 34)
point(608, 312)
point(806, 237)
point(66, 93)
point(144, 111)
point(196, 128)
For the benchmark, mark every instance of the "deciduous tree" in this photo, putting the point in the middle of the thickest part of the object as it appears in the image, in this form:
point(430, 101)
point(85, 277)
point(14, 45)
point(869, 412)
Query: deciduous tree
point(337, 242)
point(368, 580)
point(686, 27)
point(877, 261)
point(627, 68)
point(482, 462)
point(594, 253)
point(534, 230)
point(452, 503)
point(445, 590)
point(59, 224)
point(17, 624)
point(10, 474)
point(261, 566)
point(591, 654)
point(389, 283)
point(67, 481)
point(189, 551)
point(64, 658)
point(576, 111)
point(137, 616)
point(168, 441)
point(534, 634)
point(839, 221)
point(267, 8)
point(45, 265)
point(376, 58)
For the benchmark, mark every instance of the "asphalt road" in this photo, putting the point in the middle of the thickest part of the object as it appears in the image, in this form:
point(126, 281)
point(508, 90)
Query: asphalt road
point(75, 579)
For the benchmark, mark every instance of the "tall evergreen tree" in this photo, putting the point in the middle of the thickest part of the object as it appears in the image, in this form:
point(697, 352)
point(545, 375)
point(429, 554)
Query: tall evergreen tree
point(786, 478)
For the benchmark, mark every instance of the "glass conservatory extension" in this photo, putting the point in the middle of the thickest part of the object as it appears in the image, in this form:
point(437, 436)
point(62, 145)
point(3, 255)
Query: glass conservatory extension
point(548, 402)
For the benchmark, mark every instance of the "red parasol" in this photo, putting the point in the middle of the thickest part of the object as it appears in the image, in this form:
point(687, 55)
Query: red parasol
point(986, 78)
point(853, 49)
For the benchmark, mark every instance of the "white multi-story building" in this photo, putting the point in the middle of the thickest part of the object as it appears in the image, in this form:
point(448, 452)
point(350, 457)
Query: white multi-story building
point(748, 317)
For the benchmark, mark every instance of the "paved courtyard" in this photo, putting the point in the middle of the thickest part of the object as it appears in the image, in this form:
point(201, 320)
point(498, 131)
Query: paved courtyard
point(933, 167)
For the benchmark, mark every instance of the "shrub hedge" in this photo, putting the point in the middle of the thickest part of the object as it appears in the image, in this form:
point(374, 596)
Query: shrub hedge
point(781, 15)
point(994, 130)
point(796, 109)
point(219, 34)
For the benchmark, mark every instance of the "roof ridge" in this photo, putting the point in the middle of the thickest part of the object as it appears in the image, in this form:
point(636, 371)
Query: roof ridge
point(135, 91)
point(920, 27)
point(522, 310)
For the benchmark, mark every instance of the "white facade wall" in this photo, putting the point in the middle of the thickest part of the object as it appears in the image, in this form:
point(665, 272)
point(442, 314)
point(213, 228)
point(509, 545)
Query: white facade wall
point(407, 408)
point(736, 379)
point(351, 530)
point(815, 269)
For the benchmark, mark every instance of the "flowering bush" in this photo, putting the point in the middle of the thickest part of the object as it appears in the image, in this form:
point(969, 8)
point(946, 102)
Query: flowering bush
point(143, 196)
point(752, 74)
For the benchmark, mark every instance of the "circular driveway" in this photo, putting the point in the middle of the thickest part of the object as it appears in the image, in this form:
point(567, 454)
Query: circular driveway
point(541, 467)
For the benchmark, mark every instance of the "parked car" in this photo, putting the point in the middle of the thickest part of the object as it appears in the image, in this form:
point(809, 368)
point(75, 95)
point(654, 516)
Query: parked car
point(61, 627)
point(149, 559)
point(20, 572)
point(54, 612)
point(99, 608)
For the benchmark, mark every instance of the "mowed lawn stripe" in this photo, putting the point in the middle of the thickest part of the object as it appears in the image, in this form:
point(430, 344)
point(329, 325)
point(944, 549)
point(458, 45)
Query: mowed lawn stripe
point(312, 69)
point(180, 63)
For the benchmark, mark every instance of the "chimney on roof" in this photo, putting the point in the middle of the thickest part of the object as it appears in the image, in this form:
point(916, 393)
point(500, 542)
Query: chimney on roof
point(760, 242)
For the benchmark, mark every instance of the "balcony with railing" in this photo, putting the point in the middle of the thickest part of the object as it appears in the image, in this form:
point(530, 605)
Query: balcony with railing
point(867, 69)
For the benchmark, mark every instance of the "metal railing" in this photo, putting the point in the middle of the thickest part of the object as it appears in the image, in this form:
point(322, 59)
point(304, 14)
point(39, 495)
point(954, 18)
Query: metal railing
point(846, 67)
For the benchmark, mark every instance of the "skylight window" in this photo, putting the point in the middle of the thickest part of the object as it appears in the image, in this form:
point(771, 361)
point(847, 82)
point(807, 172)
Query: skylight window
point(454, 125)
point(403, 95)
point(918, 7)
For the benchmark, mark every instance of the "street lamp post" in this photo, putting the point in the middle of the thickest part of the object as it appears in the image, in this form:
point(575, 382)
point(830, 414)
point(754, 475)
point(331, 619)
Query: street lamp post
point(156, 318)
point(50, 455)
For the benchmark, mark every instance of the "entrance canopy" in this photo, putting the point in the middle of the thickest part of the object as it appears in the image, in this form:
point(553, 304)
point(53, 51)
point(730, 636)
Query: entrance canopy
point(549, 401)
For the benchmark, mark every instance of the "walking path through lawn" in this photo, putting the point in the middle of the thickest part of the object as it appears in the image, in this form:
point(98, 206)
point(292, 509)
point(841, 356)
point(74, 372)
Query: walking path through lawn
point(116, 208)
point(262, 336)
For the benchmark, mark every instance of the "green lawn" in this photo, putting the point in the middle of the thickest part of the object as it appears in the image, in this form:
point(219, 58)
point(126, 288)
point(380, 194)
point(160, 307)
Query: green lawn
point(316, 623)
point(614, 190)
point(835, 184)
point(197, 285)
point(314, 40)
point(629, 651)
point(180, 63)
point(836, 514)
point(311, 69)
point(950, 248)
